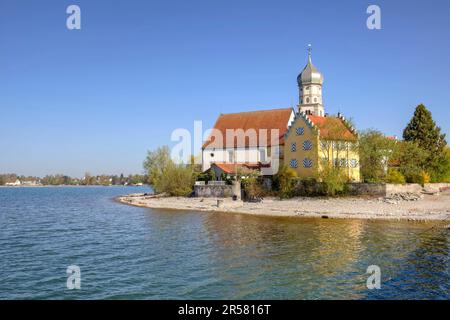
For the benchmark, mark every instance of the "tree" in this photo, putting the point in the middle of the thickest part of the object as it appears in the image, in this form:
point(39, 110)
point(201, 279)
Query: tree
point(374, 151)
point(155, 164)
point(446, 177)
point(411, 160)
point(427, 135)
point(165, 176)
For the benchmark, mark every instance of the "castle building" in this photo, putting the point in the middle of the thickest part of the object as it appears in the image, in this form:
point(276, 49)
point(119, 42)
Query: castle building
point(308, 140)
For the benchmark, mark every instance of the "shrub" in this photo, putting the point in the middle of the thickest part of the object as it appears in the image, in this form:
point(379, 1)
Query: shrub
point(250, 183)
point(425, 177)
point(374, 149)
point(333, 180)
point(395, 176)
point(308, 187)
point(285, 181)
point(165, 176)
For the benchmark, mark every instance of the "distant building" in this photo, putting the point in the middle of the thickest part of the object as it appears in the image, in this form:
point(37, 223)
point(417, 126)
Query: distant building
point(13, 184)
point(31, 183)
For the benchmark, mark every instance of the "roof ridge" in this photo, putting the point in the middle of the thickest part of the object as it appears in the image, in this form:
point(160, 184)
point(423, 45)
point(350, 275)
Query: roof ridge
point(263, 110)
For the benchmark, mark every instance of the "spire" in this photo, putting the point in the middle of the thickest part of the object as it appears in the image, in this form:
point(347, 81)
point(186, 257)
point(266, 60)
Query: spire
point(309, 53)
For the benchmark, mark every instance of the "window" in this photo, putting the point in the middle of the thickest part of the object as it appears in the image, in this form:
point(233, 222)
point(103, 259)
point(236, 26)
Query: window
point(293, 163)
point(293, 146)
point(307, 145)
point(353, 163)
point(307, 100)
point(315, 100)
point(307, 88)
point(262, 155)
point(230, 155)
point(343, 162)
point(300, 131)
point(307, 163)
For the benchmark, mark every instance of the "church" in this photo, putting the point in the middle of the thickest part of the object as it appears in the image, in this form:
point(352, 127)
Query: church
point(305, 140)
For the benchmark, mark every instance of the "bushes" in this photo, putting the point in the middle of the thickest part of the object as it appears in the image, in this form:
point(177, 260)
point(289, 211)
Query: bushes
point(177, 180)
point(394, 176)
point(252, 188)
point(333, 180)
point(165, 176)
point(285, 181)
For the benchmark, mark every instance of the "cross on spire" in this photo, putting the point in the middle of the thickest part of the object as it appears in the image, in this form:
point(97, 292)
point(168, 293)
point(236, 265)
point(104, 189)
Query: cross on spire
point(309, 52)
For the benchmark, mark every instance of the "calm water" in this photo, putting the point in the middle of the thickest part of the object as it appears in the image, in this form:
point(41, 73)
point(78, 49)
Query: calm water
point(135, 253)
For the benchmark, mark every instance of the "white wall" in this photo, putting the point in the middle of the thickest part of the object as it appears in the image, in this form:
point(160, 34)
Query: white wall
point(242, 155)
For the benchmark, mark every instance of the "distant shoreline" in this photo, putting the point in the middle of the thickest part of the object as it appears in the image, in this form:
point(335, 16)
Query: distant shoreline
point(430, 208)
point(68, 186)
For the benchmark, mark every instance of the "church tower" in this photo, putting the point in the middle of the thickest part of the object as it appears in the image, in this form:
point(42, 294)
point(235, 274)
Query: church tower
point(310, 83)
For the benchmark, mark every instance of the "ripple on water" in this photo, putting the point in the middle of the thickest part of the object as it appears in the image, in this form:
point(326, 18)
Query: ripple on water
point(126, 252)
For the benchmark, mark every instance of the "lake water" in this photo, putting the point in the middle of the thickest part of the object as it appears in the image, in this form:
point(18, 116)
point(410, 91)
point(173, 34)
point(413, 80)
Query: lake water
point(127, 252)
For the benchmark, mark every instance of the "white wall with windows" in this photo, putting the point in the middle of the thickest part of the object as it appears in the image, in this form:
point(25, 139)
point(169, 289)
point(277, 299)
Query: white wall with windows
point(237, 155)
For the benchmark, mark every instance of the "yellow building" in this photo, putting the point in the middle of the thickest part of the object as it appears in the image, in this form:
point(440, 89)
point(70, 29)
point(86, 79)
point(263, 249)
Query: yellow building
point(315, 139)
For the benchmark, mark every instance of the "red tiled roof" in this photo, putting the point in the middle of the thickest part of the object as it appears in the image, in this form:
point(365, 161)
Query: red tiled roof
point(332, 128)
point(232, 167)
point(256, 120)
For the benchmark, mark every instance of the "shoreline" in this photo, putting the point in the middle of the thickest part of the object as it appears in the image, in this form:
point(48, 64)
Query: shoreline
point(427, 208)
point(67, 186)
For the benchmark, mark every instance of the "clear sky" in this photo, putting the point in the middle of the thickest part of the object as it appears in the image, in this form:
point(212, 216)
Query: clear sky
point(98, 98)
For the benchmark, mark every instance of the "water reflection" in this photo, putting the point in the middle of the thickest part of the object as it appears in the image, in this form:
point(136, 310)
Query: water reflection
point(264, 257)
point(136, 253)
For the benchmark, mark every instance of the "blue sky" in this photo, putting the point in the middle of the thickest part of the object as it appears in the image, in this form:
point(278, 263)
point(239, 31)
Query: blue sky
point(98, 98)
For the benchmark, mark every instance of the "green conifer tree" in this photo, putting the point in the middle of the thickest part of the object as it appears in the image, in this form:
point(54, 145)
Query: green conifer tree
point(427, 135)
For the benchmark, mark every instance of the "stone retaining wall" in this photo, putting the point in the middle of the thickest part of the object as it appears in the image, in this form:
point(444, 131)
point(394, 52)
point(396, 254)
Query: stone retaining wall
point(212, 191)
point(388, 189)
point(372, 189)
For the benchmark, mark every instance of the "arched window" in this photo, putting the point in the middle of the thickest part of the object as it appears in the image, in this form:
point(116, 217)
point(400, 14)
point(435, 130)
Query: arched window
point(307, 145)
point(293, 146)
point(293, 163)
point(307, 163)
point(307, 100)
point(315, 100)
point(300, 131)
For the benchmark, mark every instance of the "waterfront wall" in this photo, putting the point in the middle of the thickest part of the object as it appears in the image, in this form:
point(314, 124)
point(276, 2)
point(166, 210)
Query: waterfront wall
point(308, 188)
point(437, 187)
point(372, 189)
point(388, 189)
point(383, 189)
point(217, 190)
